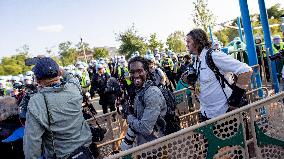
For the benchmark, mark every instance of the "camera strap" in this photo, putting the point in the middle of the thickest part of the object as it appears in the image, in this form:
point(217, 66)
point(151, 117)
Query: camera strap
point(198, 69)
point(99, 126)
point(48, 118)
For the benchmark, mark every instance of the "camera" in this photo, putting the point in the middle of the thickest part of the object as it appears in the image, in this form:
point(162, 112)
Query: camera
point(238, 97)
point(98, 133)
point(127, 142)
point(31, 61)
point(18, 86)
point(279, 55)
point(191, 75)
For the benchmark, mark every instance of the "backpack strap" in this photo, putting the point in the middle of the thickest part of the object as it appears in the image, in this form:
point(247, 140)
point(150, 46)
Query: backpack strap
point(141, 96)
point(49, 123)
point(220, 77)
point(141, 99)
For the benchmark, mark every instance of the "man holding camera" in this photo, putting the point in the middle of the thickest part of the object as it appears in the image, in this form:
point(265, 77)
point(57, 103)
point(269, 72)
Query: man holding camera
point(212, 96)
point(149, 106)
point(55, 126)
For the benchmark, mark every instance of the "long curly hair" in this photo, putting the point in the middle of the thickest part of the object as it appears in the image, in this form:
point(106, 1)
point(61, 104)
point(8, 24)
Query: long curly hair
point(200, 39)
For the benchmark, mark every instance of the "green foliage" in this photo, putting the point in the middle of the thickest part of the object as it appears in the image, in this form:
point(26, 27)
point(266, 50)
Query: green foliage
point(175, 42)
point(14, 65)
point(57, 60)
point(202, 16)
point(1, 70)
point(131, 42)
point(100, 53)
point(273, 30)
point(227, 34)
point(154, 43)
point(83, 45)
point(275, 11)
point(67, 53)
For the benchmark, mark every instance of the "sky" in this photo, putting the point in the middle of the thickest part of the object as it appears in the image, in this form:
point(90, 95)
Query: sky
point(44, 24)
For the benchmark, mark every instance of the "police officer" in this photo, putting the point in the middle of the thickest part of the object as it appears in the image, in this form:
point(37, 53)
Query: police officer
point(262, 59)
point(168, 65)
point(277, 46)
point(99, 84)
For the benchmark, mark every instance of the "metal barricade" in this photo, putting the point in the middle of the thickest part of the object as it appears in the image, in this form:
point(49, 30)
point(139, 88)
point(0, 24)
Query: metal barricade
point(253, 131)
point(116, 129)
point(181, 99)
point(188, 118)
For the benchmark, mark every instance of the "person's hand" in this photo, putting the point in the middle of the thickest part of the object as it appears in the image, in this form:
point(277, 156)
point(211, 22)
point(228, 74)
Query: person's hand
point(126, 109)
point(243, 79)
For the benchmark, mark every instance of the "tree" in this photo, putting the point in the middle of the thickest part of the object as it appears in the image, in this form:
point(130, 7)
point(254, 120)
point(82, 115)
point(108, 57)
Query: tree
point(202, 16)
point(275, 11)
point(100, 53)
point(154, 43)
point(14, 65)
point(226, 35)
point(175, 42)
point(131, 42)
point(82, 45)
point(67, 53)
point(23, 50)
point(57, 60)
point(1, 70)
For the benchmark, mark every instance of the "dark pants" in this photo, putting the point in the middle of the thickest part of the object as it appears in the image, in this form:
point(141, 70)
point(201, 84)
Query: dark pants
point(107, 101)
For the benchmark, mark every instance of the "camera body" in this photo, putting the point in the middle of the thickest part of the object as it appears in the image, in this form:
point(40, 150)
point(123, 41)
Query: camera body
point(191, 75)
point(31, 61)
point(279, 55)
point(98, 133)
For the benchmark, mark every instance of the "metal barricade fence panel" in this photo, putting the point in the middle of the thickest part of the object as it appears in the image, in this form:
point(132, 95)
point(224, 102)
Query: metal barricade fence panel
point(113, 138)
point(181, 99)
point(188, 115)
point(189, 145)
point(116, 128)
point(224, 136)
point(269, 129)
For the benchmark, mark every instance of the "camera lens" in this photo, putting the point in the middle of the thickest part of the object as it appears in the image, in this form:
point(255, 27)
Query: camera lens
point(191, 75)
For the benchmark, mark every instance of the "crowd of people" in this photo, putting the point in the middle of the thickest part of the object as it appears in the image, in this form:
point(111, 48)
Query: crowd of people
point(54, 102)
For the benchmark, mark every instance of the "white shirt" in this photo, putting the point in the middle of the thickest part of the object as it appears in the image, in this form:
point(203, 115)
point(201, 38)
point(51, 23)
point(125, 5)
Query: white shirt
point(213, 101)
